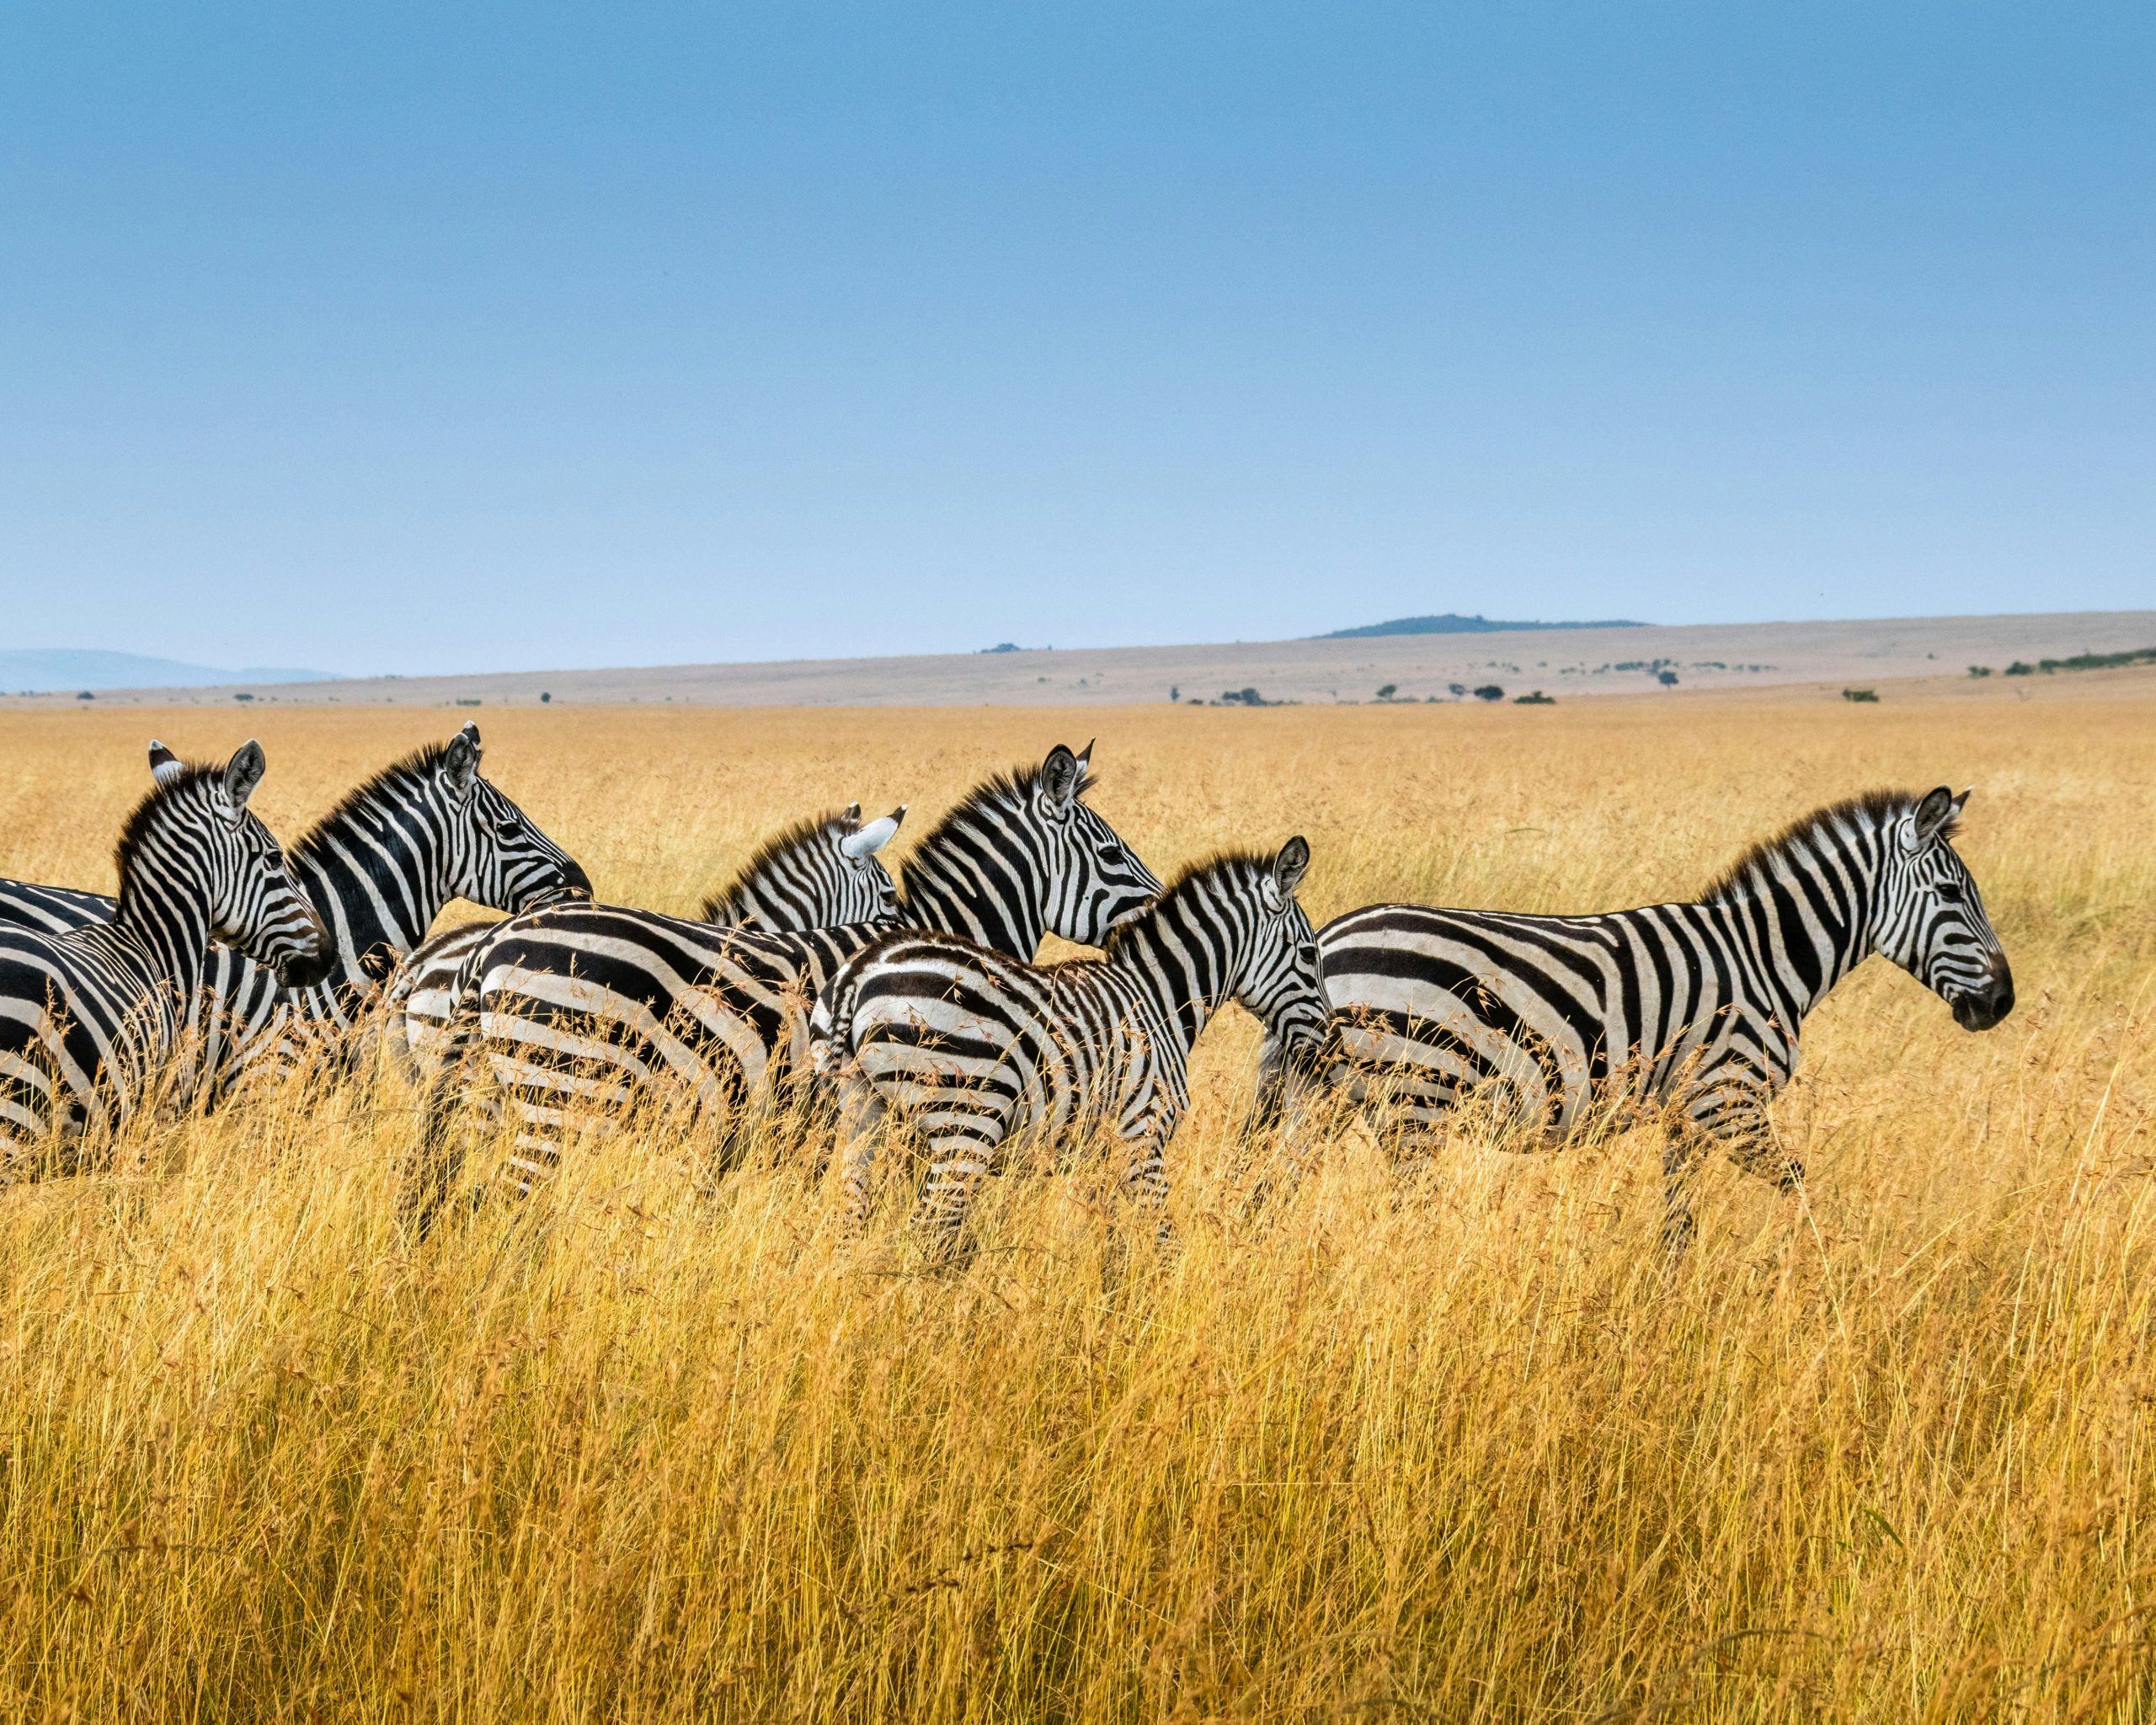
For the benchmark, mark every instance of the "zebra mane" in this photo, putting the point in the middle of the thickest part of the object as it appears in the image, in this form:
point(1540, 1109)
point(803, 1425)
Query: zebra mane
point(167, 790)
point(999, 790)
point(1206, 870)
point(1876, 810)
point(414, 769)
point(791, 838)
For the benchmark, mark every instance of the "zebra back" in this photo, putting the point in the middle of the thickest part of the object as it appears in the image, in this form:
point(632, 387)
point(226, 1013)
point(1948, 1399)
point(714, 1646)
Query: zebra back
point(818, 872)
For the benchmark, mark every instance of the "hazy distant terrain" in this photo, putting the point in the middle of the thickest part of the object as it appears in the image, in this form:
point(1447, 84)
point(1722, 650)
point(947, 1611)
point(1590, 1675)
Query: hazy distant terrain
point(71, 669)
point(1564, 663)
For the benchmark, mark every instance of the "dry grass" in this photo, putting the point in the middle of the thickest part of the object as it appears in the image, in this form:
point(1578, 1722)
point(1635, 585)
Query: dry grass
point(1454, 1450)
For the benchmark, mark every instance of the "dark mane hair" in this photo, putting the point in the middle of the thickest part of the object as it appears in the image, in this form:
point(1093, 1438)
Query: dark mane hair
point(137, 824)
point(815, 826)
point(1205, 868)
point(1873, 809)
point(1005, 788)
point(417, 765)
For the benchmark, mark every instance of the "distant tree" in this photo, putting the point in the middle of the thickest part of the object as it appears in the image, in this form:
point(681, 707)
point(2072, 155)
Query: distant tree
point(242, 696)
point(1388, 692)
point(1668, 679)
point(1489, 691)
point(544, 697)
point(1175, 693)
point(1861, 696)
point(1979, 671)
point(1456, 690)
point(88, 695)
point(1537, 699)
point(2018, 669)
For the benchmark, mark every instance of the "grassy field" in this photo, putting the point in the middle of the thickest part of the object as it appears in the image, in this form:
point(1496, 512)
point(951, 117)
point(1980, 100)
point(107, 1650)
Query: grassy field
point(1457, 1448)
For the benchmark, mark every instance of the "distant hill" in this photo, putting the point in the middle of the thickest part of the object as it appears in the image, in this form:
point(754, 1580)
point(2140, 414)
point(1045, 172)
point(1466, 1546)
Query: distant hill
point(27, 671)
point(1452, 623)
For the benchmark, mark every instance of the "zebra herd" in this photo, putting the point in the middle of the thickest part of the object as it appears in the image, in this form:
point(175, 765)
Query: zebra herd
point(819, 995)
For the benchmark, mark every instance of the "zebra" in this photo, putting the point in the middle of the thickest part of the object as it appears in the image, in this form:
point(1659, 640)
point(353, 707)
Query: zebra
point(595, 1004)
point(973, 1050)
point(90, 1015)
point(378, 868)
point(1694, 1008)
point(818, 873)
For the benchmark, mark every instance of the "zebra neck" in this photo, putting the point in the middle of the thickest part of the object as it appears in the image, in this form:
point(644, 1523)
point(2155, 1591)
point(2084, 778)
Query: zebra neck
point(980, 881)
point(166, 921)
point(1803, 922)
point(374, 876)
point(1181, 974)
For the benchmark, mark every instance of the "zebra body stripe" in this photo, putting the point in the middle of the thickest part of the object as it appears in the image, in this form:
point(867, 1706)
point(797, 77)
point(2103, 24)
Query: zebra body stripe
point(820, 872)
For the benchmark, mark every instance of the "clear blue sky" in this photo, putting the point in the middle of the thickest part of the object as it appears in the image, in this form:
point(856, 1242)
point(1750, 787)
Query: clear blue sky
point(386, 338)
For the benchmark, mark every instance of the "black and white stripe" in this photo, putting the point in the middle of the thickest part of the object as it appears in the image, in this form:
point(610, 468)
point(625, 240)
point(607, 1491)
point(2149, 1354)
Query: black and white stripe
point(89, 1017)
point(596, 1007)
point(378, 869)
point(817, 874)
point(968, 1050)
point(1694, 1007)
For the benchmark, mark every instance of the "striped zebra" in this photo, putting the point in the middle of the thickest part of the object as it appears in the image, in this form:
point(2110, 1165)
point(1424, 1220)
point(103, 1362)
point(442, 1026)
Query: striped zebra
point(971, 1050)
point(595, 1006)
point(90, 1015)
point(1694, 1008)
point(378, 869)
point(817, 873)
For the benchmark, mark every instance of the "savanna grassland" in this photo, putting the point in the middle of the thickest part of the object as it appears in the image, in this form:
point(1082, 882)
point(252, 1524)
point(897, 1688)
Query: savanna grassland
point(1461, 1446)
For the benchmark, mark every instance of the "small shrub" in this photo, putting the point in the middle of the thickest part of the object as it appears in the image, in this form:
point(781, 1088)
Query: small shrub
point(1979, 671)
point(2017, 669)
point(1861, 694)
point(1536, 699)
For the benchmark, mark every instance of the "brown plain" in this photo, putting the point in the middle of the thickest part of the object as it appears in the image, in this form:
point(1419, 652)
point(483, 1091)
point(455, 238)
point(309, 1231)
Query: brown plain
point(644, 1449)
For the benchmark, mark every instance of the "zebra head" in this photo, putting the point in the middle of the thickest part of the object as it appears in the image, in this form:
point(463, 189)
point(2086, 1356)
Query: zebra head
point(493, 851)
point(823, 873)
point(1928, 918)
point(1278, 980)
point(1094, 882)
point(210, 836)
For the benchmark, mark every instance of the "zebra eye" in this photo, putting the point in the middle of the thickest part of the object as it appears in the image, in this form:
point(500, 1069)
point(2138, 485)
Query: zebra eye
point(1950, 891)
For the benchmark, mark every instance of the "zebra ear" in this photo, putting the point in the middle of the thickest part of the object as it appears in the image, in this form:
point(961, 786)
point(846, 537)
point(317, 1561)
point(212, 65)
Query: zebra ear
point(1932, 813)
point(165, 766)
point(1291, 865)
point(852, 815)
point(242, 773)
point(471, 728)
point(460, 761)
point(1061, 775)
point(873, 837)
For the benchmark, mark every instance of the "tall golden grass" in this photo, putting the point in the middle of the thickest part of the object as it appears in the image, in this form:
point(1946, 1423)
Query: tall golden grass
point(1454, 1447)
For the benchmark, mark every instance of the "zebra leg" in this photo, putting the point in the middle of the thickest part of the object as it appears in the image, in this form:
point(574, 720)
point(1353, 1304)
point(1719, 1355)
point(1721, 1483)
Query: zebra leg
point(440, 1155)
point(860, 1119)
point(1145, 1176)
point(961, 1152)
